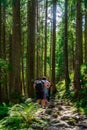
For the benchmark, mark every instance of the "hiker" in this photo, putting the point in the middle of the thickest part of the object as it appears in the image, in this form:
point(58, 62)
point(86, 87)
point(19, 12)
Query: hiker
point(46, 90)
point(38, 85)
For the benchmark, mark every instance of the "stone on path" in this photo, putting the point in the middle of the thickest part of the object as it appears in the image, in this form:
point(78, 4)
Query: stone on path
point(61, 117)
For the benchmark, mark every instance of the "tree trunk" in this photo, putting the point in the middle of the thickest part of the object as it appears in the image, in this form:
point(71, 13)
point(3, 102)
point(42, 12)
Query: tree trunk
point(15, 88)
point(51, 39)
point(73, 58)
point(38, 43)
point(31, 48)
point(22, 65)
point(86, 31)
point(67, 80)
point(10, 63)
point(45, 51)
point(4, 95)
point(78, 60)
point(0, 48)
point(53, 46)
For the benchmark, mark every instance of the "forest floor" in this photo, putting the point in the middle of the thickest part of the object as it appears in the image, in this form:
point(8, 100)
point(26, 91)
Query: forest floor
point(61, 115)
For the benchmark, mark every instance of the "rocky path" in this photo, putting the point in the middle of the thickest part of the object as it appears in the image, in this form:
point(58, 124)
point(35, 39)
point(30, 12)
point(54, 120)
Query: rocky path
point(61, 117)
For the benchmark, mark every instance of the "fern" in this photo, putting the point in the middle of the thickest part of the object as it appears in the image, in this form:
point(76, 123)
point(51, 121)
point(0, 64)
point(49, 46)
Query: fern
point(20, 116)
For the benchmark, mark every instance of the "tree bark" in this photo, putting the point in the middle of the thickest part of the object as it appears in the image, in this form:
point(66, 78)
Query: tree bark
point(85, 31)
point(15, 88)
point(67, 80)
point(78, 60)
point(4, 95)
point(0, 48)
point(45, 51)
point(53, 46)
point(31, 48)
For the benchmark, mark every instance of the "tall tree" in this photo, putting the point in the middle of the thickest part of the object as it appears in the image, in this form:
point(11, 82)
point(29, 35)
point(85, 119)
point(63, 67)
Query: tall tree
point(31, 47)
point(10, 63)
point(38, 40)
point(3, 51)
point(0, 25)
point(53, 45)
point(15, 84)
point(0, 48)
point(3, 32)
point(67, 80)
point(85, 31)
point(78, 60)
point(45, 53)
point(22, 63)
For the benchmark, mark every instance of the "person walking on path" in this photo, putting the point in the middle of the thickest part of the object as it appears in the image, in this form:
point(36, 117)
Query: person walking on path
point(39, 90)
point(46, 90)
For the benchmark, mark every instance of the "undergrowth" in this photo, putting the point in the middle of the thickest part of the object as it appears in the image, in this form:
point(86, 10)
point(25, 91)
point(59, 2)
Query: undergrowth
point(21, 116)
point(3, 110)
point(81, 102)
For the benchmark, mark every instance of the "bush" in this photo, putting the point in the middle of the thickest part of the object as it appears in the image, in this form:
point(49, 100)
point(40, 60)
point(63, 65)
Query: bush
point(3, 111)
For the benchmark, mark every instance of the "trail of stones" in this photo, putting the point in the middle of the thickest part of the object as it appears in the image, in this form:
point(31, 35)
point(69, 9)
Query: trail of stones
point(61, 117)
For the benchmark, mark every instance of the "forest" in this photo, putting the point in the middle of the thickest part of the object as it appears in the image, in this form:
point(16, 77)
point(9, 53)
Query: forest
point(43, 38)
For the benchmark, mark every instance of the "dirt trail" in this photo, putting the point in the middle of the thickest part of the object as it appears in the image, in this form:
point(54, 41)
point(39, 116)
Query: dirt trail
point(62, 117)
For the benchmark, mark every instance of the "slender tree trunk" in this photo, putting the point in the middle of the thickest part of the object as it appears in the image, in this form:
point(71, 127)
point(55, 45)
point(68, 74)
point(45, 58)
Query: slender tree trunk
point(42, 49)
point(67, 80)
point(53, 46)
point(86, 31)
point(0, 29)
point(0, 48)
point(38, 61)
point(22, 65)
point(80, 32)
point(31, 48)
point(45, 52)
point(73, 58)
point(10, 63)
point(37, 44)
point(3, 55)
point(78, 49)
point(51, 39)
point(3, 33)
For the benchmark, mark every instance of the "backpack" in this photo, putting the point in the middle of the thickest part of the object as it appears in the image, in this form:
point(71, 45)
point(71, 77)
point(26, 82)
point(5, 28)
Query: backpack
point(39, 86)
point(46, 83)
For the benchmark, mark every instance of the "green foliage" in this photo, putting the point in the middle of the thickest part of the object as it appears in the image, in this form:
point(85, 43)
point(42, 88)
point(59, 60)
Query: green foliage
point(84, 72)
point(72, 76)
point(60, 88)
point(21, 116)
point(60, 53)
point(4, 2)
point(83, 78)
point(81, 102)
point(4, 67)
point(3, 64)
point(3, 111)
